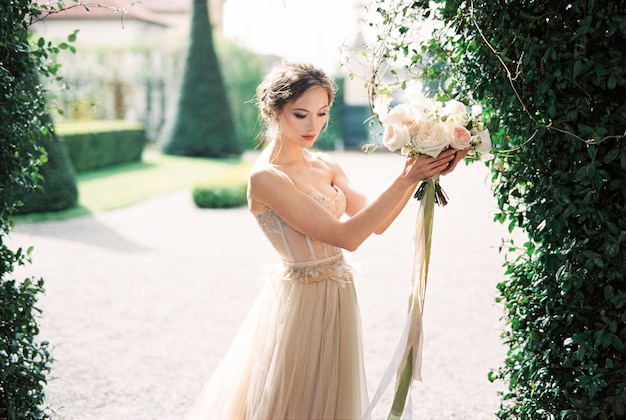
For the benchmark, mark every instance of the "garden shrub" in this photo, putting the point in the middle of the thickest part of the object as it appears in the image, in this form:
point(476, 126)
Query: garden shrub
point(219, 196)
point(25, 128)
point(224, 190)
point(552, 77)
point(57, 190)
point(100, 149)
point(24, 363)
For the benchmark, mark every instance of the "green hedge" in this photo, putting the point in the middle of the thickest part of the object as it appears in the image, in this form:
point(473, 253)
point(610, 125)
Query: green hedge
point(220, 197)
point(24, 360)
point(57, 189)
point(103, 145)
point(24, 357)
point(552, 77)
point(225, 190)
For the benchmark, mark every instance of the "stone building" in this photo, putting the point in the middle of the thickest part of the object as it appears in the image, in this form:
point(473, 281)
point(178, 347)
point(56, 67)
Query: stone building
point(129, 58)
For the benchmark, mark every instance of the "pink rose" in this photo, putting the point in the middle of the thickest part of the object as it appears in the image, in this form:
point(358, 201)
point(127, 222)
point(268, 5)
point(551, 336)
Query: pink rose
point(460, 137)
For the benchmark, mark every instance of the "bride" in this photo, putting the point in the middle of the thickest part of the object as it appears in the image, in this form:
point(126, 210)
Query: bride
point(298, 354)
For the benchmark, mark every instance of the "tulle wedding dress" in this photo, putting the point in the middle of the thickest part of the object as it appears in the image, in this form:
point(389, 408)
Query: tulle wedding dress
point(298, 354)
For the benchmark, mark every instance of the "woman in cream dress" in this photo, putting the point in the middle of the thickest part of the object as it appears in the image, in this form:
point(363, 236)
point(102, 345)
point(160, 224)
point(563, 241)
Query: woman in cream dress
point(298, 354)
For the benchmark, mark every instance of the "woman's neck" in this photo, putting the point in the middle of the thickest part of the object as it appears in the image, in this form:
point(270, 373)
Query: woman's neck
point(287, 154)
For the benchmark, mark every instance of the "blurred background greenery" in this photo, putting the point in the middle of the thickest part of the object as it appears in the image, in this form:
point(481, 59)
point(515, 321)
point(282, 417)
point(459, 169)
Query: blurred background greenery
point(163, 101)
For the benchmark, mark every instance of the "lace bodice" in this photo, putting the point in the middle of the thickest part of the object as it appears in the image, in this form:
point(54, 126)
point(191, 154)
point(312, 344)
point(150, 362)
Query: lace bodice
point(292, 245)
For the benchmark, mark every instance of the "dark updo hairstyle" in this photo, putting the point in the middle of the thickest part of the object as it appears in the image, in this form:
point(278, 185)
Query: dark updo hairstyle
point(285, 84)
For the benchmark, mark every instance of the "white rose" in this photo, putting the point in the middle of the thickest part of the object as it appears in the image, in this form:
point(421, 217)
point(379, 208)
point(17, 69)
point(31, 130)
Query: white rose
point(432, 137)
point(456, 112)
point(396, 137)
point(454, 107)
point(400, 114)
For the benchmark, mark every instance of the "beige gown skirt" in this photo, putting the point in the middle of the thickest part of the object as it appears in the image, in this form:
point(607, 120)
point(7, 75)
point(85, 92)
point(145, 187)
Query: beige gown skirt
point(298, 354)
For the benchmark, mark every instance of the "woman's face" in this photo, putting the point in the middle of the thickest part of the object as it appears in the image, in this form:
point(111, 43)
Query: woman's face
point(301, 121)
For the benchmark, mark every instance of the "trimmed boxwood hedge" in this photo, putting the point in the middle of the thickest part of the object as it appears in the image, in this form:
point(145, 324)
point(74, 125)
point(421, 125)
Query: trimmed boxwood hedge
point(100, 149)
point(226, 190)
point(219, 196)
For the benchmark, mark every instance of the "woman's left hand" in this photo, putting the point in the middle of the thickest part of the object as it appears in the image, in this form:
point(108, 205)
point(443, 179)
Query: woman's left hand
point(459, 155)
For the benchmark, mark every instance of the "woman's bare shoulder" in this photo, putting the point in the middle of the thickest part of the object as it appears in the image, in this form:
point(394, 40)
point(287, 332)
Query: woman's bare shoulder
point(263, 172)
point(329, 161)
point(326, 158)
point(264, 180)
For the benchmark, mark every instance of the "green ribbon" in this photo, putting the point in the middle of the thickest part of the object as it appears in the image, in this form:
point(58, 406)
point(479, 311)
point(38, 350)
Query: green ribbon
point(427, 195)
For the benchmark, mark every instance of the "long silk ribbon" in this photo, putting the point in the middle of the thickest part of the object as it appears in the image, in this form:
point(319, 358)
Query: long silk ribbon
point(406, 363)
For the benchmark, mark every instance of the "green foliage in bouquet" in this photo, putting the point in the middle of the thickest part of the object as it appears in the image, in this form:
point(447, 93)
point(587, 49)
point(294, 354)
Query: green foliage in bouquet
point(552, 78)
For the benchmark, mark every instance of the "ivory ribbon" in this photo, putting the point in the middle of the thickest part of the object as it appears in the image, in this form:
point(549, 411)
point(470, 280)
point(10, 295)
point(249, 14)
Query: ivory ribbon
point(406, 362)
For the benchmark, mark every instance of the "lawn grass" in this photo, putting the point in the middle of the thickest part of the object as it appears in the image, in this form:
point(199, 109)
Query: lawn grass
point(124, 185)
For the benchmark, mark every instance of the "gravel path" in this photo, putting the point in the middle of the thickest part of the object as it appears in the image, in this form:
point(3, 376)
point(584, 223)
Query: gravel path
point(141, 302)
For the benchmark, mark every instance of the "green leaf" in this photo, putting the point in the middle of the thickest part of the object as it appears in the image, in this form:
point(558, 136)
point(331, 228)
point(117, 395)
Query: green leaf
point(576, 69)
point(611, 82)
point(581, 174)
point(611, 155)
point(72, 37)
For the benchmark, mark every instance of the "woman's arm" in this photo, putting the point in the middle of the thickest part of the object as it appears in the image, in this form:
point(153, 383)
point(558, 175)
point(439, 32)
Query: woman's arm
point(355, 197)
point(458, 156)
point(357, 201)
point(303, 213)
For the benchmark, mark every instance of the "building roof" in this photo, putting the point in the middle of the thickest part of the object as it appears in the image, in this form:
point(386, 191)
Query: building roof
point(169, 6)
point(112, 9)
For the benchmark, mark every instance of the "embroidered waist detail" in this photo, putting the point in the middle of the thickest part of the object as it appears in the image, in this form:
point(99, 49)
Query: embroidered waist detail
point(332, 268)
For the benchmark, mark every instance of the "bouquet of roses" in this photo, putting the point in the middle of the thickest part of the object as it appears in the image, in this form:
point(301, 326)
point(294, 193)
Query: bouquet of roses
point(424, 125)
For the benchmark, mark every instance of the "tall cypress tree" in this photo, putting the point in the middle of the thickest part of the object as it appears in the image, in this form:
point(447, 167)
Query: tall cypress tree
point(203, 125)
